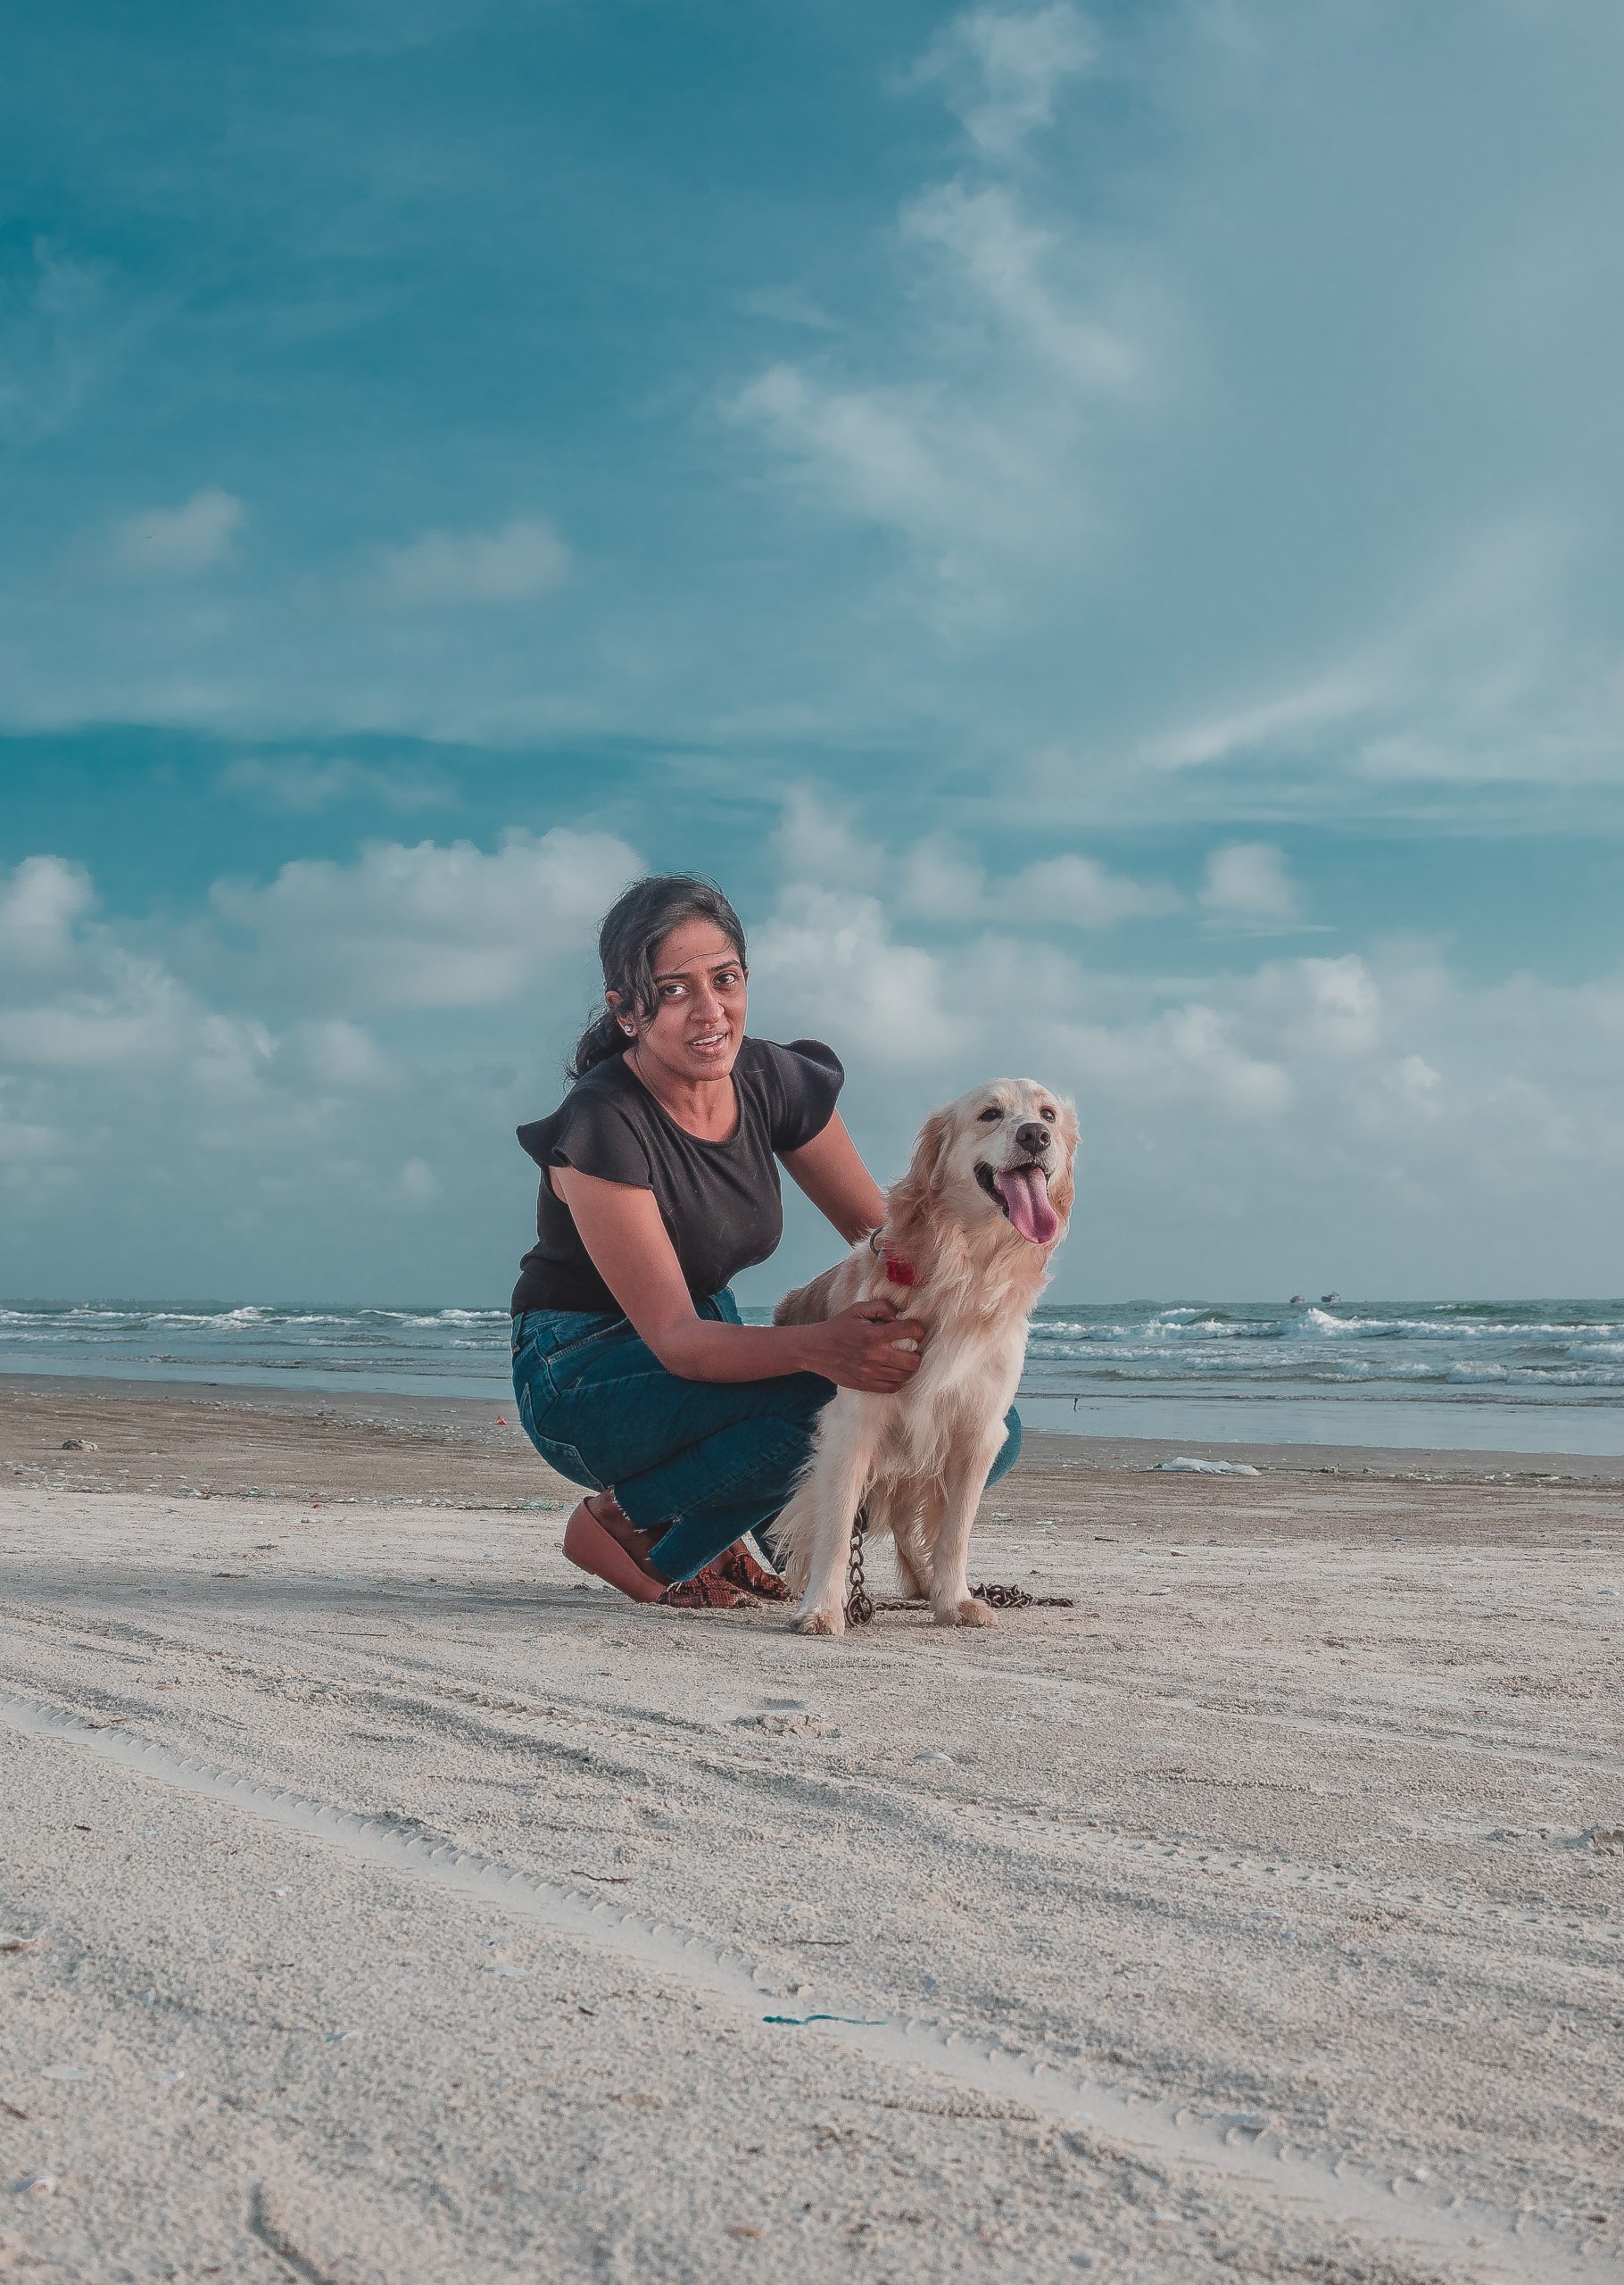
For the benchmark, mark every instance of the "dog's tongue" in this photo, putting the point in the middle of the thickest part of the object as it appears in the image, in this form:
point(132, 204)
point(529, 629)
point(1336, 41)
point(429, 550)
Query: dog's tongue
point(1025, 1193)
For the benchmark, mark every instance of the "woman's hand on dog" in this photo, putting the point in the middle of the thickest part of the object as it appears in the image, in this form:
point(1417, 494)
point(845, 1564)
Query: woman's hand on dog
point(858, 1348)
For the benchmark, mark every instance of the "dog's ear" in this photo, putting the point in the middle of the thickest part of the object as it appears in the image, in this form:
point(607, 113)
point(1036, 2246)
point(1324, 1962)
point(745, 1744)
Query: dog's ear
point(908, 1198)
point(1063, 1190)
point(930, 1151)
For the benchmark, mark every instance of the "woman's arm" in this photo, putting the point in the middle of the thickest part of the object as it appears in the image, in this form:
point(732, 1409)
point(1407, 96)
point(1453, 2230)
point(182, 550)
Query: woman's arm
point(621, 1228)
point(837, 1181)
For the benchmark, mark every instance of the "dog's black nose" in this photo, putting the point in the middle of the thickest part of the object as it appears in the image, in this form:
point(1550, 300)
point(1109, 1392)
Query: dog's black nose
point(1033, 1138)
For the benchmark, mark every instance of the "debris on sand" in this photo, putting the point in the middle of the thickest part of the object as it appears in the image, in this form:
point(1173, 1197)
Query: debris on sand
point(868, 2020)
point(1204, 1467)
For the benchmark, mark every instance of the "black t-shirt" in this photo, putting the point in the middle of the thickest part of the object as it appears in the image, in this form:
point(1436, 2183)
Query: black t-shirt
point(719, 1201)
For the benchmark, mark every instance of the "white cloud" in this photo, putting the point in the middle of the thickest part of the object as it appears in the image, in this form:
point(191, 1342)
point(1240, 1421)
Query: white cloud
point(1296, 717)
point(1003, 68)
point(41, 901)
point(997, 994)
point(332, 1053)
point(917, 1027)
point(61, 339)
point(1073, 382)
point(1463, 676)
point(21, 1143)
point(1202, 1044)
point(430, 926)
point(1382, 1106)
point(419, 1186)
point(815, 840)
point(1249, 885)
point(1417, 1084)
point(1074, 415)
point(302, 784)
point(1078, 892)
point(1006, 259)
point(1344, 1006)
point(829, 955)
point(228, 1057)
point(125, 1012)
point(935, 879)
point(83, 1004)
point(153, 1109)
point(970, 434)
point(980, 482)
point(525, 558)
point(790, 305)
point(885, 454)
point(938, 882)
point(1318, 1007)
point(176, 542)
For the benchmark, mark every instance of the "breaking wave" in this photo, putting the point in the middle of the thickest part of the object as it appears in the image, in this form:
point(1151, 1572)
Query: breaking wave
point(1546, 1344)
point(1440, 1348)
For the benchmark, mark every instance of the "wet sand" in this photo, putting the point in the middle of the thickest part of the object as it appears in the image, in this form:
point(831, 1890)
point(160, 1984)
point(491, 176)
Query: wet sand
point(397, 1907)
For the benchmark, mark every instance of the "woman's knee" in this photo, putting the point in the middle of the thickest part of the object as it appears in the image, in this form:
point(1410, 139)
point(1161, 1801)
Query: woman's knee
point(763, 1463)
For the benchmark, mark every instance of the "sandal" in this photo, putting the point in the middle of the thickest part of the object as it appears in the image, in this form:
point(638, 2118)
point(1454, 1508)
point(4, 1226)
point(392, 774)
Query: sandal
point(708, 1590)
point(738, 1567)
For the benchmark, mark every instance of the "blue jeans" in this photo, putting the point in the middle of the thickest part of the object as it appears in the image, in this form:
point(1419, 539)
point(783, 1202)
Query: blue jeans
point(708, 1460)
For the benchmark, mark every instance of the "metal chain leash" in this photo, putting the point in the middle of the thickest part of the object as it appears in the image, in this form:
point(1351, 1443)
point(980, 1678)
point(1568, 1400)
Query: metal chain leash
point(860, 1603)
point(859, 1608)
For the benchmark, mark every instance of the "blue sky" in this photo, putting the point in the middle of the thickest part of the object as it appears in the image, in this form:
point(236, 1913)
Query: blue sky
point(1102, 528)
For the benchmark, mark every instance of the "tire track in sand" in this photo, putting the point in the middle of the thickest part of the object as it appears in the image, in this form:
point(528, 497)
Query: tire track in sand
point(373, 1686)
point(1423, 2220)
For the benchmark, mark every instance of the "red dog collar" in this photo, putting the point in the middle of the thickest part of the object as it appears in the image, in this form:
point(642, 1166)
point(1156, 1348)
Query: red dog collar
point(893, 1266)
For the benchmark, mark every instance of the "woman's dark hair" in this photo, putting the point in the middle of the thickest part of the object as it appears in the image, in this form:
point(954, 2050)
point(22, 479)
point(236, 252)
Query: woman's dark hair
point(634, 929)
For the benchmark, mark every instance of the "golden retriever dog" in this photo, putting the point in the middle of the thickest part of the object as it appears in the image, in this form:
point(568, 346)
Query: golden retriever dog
point(969, 1232)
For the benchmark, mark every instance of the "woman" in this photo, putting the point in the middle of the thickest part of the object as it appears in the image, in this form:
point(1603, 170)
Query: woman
point(659, 1182)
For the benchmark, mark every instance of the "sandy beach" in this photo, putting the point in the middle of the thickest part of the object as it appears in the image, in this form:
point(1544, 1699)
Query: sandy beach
point(379, 1902)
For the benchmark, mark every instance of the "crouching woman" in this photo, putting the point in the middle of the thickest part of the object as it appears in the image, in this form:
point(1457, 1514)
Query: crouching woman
point(659, 1184)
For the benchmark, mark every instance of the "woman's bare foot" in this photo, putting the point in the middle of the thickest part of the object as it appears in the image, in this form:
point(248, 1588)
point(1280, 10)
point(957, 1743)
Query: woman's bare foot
point(604, 1509)
point(733, 1580)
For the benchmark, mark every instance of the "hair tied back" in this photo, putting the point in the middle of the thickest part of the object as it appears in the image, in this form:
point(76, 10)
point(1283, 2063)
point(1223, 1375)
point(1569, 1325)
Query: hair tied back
point(634, 929)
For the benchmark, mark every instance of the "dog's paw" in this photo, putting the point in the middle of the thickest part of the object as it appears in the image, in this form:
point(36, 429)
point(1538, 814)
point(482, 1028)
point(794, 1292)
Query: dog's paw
point(821, 1622)
point(967, 1613)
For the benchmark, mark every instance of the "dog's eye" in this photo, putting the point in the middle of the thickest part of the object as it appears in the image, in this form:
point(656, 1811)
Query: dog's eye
point(991, 1115)
point(1053, 1117)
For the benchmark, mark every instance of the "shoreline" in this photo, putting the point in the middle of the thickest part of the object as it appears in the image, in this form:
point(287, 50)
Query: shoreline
point(1516, 1430)
point(323, 1423)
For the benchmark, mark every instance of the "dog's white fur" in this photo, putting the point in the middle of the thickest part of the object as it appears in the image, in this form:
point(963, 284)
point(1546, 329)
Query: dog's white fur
point(920, 1458)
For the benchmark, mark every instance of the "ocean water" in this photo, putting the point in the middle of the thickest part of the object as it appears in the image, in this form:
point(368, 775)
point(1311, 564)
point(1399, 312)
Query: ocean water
point(1523, 1376)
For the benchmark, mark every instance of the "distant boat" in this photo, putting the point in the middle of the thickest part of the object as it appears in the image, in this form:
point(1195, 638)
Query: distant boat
point(1330, 1301)
point(1298, 1300)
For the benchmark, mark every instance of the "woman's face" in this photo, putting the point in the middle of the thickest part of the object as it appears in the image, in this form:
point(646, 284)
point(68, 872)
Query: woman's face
point(701, 990)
